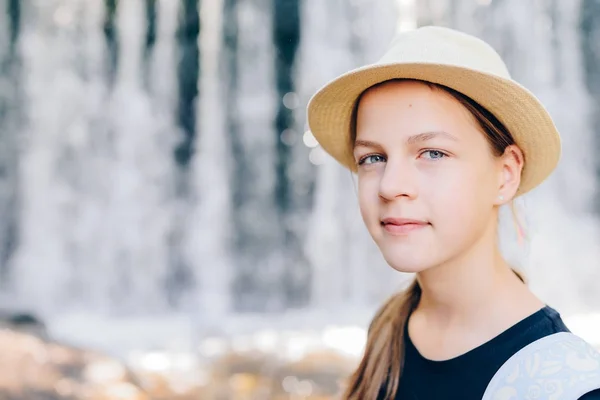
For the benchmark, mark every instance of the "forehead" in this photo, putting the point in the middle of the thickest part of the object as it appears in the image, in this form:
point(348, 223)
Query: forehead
point(407, 108)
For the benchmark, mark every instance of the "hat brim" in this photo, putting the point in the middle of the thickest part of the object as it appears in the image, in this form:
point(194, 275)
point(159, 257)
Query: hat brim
point(330, 111)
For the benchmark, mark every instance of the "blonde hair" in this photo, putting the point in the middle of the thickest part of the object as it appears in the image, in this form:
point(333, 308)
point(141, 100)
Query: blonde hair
point(380, 368)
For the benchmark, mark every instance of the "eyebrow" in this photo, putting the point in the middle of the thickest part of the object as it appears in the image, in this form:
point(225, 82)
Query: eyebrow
point(421, 137)
point(425, 136)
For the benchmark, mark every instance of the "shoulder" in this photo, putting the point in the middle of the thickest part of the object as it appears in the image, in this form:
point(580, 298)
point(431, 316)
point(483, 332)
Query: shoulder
point(561, 364)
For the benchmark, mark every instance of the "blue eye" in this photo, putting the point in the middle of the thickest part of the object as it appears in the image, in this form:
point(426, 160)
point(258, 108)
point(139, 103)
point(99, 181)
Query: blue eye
point(434, 154)
point(371, 159)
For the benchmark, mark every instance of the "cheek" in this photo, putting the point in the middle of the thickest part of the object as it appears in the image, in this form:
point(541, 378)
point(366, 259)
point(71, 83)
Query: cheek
point(461, 198)
point(368, 198)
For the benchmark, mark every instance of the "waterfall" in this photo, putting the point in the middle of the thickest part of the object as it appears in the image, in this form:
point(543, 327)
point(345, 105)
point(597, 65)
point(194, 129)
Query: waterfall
point(155, 156)
point(96, 174)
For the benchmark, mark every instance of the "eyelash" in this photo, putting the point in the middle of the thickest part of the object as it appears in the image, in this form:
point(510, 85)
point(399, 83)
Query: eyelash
point(365, 158)
point(443, 155)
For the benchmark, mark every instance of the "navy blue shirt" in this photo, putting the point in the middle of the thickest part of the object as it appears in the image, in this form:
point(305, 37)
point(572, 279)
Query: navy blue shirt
point(466, 377)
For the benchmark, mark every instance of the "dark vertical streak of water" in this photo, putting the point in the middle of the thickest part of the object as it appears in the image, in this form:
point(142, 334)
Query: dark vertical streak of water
point(9, 120)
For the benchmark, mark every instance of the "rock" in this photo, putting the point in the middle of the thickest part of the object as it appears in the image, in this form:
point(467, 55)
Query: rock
point(23, 322)
point(34, 368)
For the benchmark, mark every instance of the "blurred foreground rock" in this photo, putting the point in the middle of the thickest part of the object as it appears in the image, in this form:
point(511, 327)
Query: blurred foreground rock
point(257, 376)
point(34, 368)
point(22, 322)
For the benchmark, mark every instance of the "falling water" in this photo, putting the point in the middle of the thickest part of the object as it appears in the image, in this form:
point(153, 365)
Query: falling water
point(97, 198)
point(10, 119)
point(155, 156)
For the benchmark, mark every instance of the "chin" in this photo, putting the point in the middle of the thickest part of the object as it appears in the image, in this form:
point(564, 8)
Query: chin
point(409, 261)
point(409, 267)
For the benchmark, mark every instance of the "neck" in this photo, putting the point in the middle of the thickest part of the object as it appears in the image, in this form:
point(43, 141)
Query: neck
point(479, 283)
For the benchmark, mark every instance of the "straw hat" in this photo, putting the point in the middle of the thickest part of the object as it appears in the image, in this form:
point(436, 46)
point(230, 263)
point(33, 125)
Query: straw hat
point(453, 59)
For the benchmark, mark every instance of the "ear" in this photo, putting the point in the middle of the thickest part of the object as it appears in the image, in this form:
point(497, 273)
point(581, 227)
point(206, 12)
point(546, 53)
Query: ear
point(510, 166)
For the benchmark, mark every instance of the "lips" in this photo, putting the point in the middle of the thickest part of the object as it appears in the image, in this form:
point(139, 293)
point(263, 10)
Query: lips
point(402, 226)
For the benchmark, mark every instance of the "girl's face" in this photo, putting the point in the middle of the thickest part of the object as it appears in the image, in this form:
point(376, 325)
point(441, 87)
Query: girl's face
point(428, 182)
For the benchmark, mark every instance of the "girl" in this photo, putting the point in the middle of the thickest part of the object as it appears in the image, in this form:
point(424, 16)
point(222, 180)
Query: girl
point(441, 137)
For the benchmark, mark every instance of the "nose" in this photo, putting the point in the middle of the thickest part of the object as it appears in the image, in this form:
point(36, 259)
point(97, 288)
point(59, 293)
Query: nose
point(398, 179)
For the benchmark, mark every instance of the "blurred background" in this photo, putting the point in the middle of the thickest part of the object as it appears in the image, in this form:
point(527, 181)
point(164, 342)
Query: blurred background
point(169, 227)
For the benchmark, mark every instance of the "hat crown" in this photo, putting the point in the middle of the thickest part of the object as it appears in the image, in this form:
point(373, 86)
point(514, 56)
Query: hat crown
point(444, 46)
